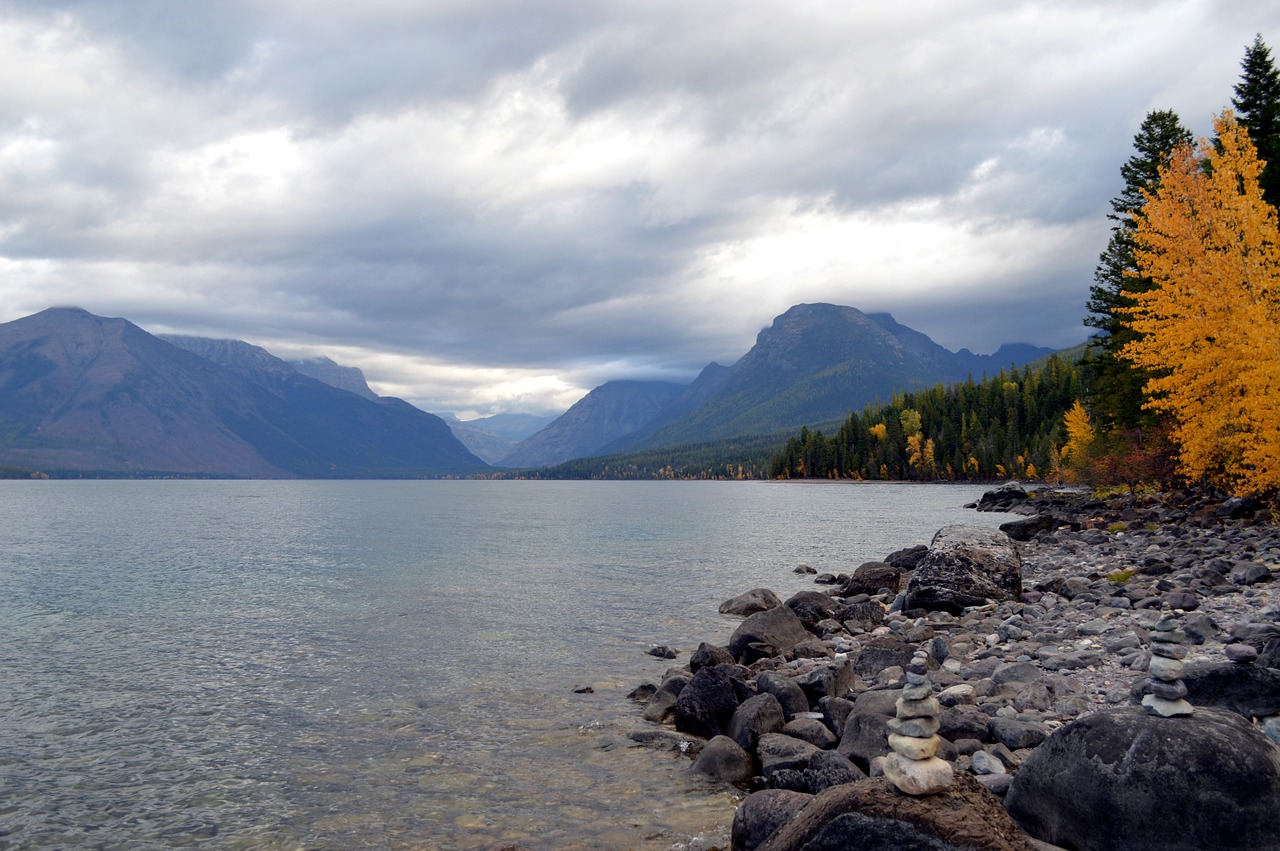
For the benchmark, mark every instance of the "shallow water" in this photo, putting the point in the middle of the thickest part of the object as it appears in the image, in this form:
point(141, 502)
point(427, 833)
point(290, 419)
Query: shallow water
point(384, 664)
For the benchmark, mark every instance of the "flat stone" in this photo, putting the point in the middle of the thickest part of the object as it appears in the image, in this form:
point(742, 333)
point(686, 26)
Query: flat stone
point(1169, 651)
point(917, 691)
point(984, 763)
point(1165, 669)
point(913, 748)
point(1175, 690)
point(1167, 708)
point(916, 728)
point(918, 777)
point(927, 708)
point(1240, 653)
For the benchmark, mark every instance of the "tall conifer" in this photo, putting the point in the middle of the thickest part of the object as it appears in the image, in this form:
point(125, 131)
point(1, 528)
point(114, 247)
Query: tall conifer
point(1115, 386)
point(1257, 104)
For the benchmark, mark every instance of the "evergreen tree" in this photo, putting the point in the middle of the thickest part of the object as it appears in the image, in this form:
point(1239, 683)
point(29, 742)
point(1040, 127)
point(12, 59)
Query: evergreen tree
point(1115, 387)
point(1257, 104)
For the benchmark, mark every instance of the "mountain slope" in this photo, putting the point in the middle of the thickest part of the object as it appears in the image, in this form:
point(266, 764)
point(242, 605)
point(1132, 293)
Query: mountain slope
point(605, 414)
point(83, 392)
point(815, 363)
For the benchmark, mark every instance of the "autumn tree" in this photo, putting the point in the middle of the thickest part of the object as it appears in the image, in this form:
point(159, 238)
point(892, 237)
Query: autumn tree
point(1210, 328)
point(1115, 387)
point(1257, 103)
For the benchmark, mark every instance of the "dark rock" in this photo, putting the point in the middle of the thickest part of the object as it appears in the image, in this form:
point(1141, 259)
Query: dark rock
point(811, 607)
point(1015, 733)
point(810, 730)
point(826, 769)
point(830, 680)
point(880, 653)
point(966, 566)
point(723, 759)
point(762, 813)
point(663, 703)
point(1028, 528)
point(1249, 573)
point(811, 648)
point(777, 751)
point(871, 577)
point(1122, 778)
point(667, 740)
point(754, 717)
point(778, 629)
point(964, 816)
point(789, 694)
point(709, 655)
point(908, 558)
point(706, 705)
point(757, 600)
point(866, 731)
point(662, 651)
point(1249, 690)
point(964, 722)
point(1242, 653)
point(1003, 497)
point(642, 693)
point(866, 615)
point(835, 710)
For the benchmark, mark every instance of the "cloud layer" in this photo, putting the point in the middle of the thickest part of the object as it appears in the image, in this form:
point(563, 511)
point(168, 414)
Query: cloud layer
point(495, 205)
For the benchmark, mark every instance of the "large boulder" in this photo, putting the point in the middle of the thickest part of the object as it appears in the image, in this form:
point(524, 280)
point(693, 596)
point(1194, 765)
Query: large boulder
point(769, 633)
point(1249, 690)
point(966, 566)
point(811, 607)
point(755, 600)
point(872, 815)
point(709, 655)
point(761, 814)
point(1028, 527)
point(754, 717)
point(1003, 498)
point(706, 705)
point(723, 759)
point(866, 731)
point(871, 577)
point(788, 692)
point(1123, 778)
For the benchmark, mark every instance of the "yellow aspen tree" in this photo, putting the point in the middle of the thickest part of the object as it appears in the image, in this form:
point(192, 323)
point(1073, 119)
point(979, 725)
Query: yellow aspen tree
point(1080, 435)
point(1211, 326)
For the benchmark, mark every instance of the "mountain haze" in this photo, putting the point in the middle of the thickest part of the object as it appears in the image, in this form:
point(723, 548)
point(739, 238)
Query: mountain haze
point(88, 393)
point(606, 413)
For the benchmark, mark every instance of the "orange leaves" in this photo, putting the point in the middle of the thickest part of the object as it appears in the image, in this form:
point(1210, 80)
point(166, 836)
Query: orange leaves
point(1212, 325)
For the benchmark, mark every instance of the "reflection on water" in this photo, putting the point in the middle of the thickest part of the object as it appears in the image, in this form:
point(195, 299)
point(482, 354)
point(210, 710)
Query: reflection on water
point(382, 664)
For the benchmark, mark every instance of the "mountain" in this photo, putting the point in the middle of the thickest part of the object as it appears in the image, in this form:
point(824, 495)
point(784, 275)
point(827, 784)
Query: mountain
point(349, 378)
point(80, 392)
point(606, 413)
point(814, 364)
point(493, 438)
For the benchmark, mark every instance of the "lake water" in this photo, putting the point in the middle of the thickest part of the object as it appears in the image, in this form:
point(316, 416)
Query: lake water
point(384, 664)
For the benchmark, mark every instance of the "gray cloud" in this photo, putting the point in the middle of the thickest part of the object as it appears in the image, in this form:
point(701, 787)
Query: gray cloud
point(499, 204)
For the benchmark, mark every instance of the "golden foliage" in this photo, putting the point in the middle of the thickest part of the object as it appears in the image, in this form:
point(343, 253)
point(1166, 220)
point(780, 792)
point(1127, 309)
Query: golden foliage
point(1080, 436)
point(1211, 326)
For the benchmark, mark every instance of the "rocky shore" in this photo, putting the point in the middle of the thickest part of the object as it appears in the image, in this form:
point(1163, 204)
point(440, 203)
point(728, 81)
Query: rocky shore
point(1101, 673)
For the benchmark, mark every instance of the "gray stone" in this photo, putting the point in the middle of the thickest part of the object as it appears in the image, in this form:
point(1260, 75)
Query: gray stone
point(777, 630)
point(812, 731)
point(1015, 733)
point(1121, 778)
point(865, 734)
point(871, 578)
point(777, 751)
point(756, 600)
point(966, 566)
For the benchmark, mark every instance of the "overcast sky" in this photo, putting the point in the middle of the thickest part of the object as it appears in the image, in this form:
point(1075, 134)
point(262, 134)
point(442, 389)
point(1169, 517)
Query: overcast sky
point(492, 205)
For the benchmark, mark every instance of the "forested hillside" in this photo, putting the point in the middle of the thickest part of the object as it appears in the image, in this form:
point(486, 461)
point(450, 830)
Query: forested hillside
point(1009, 425)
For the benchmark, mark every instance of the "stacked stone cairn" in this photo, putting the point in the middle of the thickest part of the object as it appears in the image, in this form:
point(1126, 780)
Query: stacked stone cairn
point(914, 767)
point(1166, 692)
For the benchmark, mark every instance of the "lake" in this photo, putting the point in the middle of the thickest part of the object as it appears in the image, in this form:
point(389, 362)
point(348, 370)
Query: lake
point(266, 664)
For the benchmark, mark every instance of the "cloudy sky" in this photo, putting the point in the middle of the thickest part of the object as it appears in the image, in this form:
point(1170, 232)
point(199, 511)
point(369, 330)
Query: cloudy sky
point(494, 205)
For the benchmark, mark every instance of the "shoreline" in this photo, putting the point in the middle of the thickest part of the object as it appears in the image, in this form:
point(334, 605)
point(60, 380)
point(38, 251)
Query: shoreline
point(1096, 575)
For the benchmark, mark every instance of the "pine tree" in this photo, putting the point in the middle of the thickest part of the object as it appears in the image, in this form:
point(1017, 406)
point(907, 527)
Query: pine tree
point(1210, 329)
point(1115, 387)
point(1257, 104)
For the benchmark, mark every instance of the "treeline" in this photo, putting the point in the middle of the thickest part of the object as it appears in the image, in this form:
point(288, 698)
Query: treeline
point(1011, 425)
point(737, 458)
